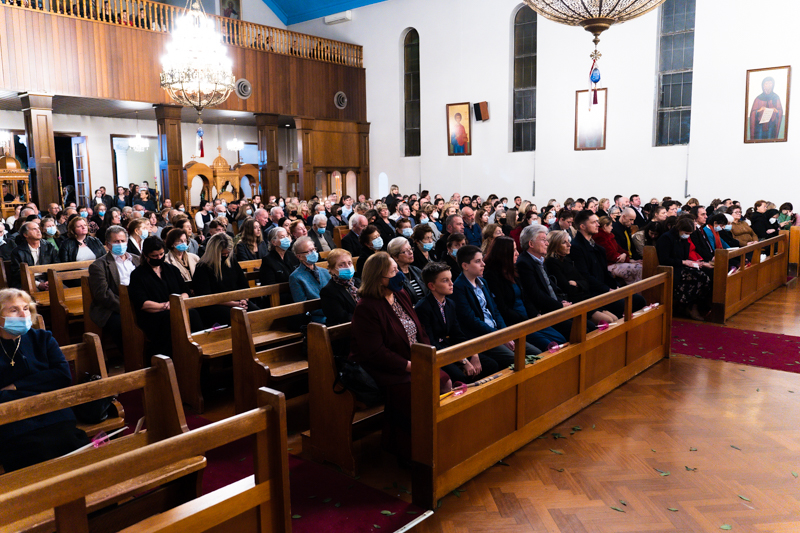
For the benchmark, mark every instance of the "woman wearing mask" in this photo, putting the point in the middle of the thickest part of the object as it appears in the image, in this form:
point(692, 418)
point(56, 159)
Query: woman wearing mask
point(186, 225)
point(740, 229)
point(319, 234)
point(218, 272)
point(371, 242)
point(340, 296)
point(308, 279)
point(426, 218)
point(32, 363)
point(403, 254)
point(252, 245)
point(113, 217)
point(79, 245)
point(691, 286)
point(138, 231)
point(423, 245)
point(178, 254)
point(403, 228)
point(50, 232)
point(99, 213)
point(530, 217)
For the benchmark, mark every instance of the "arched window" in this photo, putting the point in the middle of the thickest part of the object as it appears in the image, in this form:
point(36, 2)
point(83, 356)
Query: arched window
point(525, 80)
point(675, 72)
point(411, 84)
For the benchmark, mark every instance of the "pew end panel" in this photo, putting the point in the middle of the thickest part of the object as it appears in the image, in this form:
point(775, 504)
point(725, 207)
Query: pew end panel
point(66, 303)
point(89, 325)
point(520, 404)
point(133, 338)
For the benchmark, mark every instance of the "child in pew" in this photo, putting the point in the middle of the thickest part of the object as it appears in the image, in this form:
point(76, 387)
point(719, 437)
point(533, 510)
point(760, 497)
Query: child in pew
point(437, 313)
point(32, 363)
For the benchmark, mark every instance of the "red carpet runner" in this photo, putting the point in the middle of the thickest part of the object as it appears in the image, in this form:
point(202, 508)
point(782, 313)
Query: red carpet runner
point(767, 350)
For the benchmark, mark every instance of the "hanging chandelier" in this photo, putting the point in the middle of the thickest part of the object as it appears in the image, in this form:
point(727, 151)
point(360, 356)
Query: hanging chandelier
point(196, 69)
point(235, 145)
point(138, 143)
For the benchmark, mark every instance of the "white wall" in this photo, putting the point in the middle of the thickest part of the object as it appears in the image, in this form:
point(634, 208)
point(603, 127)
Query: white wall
point(465, 55)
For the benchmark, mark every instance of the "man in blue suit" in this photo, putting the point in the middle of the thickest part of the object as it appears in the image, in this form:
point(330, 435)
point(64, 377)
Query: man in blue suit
point(477, 313)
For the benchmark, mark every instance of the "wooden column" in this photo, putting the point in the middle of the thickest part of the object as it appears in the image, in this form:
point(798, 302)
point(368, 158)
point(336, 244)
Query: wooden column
point(267, 124)
point(363, 159)
point(172, 181)
point(38, 112)
point(305, 127)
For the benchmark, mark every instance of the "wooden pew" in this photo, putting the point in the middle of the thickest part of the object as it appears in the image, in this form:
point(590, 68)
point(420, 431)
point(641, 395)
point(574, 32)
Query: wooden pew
point(4, 267)
point(251, 271)
point(339, 233)
point(794, 247)
point(87, 358)
point(337, 421)
point(191, 349)
point(133, 338)
point(284, 361)
point(521, 404)
point(29, 502)
point(28, 273)
point(734, 292)
point(89, 325)
point(66, 303)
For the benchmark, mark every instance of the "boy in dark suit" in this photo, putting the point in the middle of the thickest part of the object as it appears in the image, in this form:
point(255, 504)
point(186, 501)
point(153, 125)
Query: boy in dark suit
point(437, 314)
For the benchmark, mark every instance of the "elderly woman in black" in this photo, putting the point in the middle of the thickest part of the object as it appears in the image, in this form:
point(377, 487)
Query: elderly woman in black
point(340, 295)
point(151, 284)
point(691, 286)
point(371, 242)
point(79, 245)
point(400, 250)
point(32, 363)
point(423, 245)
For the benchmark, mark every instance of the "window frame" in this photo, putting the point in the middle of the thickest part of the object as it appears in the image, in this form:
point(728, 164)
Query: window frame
point(406, 100)
point(515, 142)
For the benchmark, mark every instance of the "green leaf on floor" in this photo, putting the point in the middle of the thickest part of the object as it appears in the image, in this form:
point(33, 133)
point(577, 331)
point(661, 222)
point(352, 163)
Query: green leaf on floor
point(387, 513)
point(411, 512)
point(691, 469)
point(557, 469)
point(725, 527)
point(758, 390)
point(376, 526)
point(557, 452)
point(617, 509)
point(745, 498)
point(576, 428)
point(338, 504)
point(794, 474)
point(542, 437)
point(592, 426)
point(664, 474)
point(623, 502)
point(692, 449)
point(791, 391)
point(296, 516)
point(438, 504)
point(736, 447)
point(457, 493)
point(652, 450)
point(672, 509)
point(558, 436)
point(326, 500)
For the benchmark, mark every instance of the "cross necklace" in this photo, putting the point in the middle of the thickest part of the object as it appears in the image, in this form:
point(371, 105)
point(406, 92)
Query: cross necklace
point(12, 356)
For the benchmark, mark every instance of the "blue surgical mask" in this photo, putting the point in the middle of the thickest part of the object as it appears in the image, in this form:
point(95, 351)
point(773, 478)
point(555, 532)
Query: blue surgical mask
point(224, 203)
point(181, 246)
point(282, 204)
point(396, 283)
point(427, 246)
point(286, 242)
point(51, 230)
point(321, 231)
point(145, 234)
point(408, 232)
point(101, 214)
point(728, 227)
point(377, 243)
point(84, 214)
point(312, 257)
point(423, 221)
point(182, 209)
point(17, 325)
point(346, 273)
point(550, 220)
point(248, 212)
point(453, 252)
point(685, 236)
point(119, 249)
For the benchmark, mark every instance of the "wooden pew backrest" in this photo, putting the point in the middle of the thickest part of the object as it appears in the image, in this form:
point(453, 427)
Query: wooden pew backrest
point(133, 338)
point(339, 233)
point(89, 325)
point(28, 273)
point(66, 303)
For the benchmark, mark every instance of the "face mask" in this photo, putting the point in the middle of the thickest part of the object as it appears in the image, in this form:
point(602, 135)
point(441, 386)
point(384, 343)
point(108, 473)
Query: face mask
point(551, 220)
point(453, 252)
point(346, 273)
point(427, 246)
point(145, 233)
point(685, 236)
point(728, 227)
point(101, 214)
point(718, 229)
point(282, 204)
point(396, 283)
point(321, 231)
point(292, 213)
point(773, 220)
point(377, 243)
point(84, 214)
point(182, 209)
point(423, 221)
point(51, 230)
point(248, 212)
point(182, 247)
point(285, 243)
point(17, 325)
point(312, 257)
point(435, 215)
point(408, 232)
point(119, 249)
point(224, 204)
point(155, 262)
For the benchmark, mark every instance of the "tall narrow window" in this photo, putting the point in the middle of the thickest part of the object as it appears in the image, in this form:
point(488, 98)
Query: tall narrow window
point(525, 80)
point(411, 82)
point(676, 60)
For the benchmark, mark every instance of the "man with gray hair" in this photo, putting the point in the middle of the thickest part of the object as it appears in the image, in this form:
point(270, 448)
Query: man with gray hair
point(351, 242)
point(622, 232)
point(275, 215)
point(32, 250)
point(262, 217)
point(106, 274)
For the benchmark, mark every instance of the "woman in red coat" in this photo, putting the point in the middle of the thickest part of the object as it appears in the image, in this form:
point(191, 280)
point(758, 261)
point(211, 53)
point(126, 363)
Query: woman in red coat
point(384, 327)
point(619, 262)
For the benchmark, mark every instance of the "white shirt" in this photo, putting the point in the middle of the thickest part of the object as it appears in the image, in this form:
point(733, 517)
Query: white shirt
point(125, 266)
point(35, 254)
point(85, 254)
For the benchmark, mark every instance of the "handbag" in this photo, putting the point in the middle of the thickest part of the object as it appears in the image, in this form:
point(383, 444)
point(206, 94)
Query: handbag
point(352, 377)
point(95, 411)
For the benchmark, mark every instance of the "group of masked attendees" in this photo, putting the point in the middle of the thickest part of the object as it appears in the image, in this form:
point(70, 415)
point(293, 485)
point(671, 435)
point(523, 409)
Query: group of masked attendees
point(412, 268)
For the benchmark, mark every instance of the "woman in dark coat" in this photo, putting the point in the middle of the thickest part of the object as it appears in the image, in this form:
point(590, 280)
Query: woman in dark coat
point(340, 295)
point(79, 245)
point(691, 286)
point(280, 262)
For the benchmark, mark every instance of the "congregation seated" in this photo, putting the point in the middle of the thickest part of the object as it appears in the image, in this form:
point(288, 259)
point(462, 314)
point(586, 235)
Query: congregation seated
point(453, 224)
point(33, 250)
point(217, 272)
point(352, 241)
point(252, 245)
point(339, 296)
point(621, 229)
point(50, 232)
point(619, 261)
point(529, 218)
point(489, 233)
point(298, 229)
point(764, 221)
point(151, 284)
point(33, 363)
point(371, 242)
point(454, 242)
point(280, 262)
point(646, 236)
point(403, 228)
point(401, 251)
point(322, 238)
point(423, 240)
point(387, 327)
point(307, 280)
point(178, 254)
point(106, 274)
point(138, 231)
point(183, 222)
point(79, 245)
point(740, 229)
point(113, 217)
point(722, 225)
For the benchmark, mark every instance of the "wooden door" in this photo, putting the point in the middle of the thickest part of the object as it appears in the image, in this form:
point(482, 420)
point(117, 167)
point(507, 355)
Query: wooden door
point(80, 161)
point(293, 183)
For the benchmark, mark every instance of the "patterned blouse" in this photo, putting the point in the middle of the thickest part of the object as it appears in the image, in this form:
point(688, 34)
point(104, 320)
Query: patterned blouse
point(408, 323)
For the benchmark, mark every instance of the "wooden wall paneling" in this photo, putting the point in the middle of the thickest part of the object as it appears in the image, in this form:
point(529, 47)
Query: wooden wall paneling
point(168, 118)
point(363, 148)
point(267, 126)
point(38, 114)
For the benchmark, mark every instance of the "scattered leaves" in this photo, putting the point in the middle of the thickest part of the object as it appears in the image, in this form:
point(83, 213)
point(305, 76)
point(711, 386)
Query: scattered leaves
point(692, 449)
point(387, 513)
point(376, 526)
point(438, 504)
point(623, 502)
point(745, 498)
point(557, 469)
point(725, 527)
point(652, 450)
point(672, 509)
point(557, 436)
point(557, 452)
point(617, 509)
point(576, 428)
point(296, 516)
point(736, 447)
point(661, 472)
point(457, 493)
point(338, 504)
point(758, 390)
point(794, 474)
point(592, 426)
point(691, 469)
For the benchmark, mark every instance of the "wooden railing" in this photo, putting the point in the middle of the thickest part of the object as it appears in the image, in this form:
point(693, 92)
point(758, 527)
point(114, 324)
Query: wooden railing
point(455, 438)
point(158, 17)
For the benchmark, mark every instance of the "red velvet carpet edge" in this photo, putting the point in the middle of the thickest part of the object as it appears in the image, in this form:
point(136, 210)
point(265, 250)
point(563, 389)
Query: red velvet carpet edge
point(767, 350)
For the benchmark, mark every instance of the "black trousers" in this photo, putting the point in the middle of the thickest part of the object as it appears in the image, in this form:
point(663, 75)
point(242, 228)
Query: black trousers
point(41, 445)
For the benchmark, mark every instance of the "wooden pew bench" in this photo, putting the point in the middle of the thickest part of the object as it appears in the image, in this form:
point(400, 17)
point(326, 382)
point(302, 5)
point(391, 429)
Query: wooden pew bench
point(277, 365)
point(735, 291)
point(339, 233)
point(31, 503)
point(133, 338)
point(89, 325)
point(191, 349)
point(28, 279)
point(66, 303)
point(251, 271)
point(521, 404)
point(337, 421)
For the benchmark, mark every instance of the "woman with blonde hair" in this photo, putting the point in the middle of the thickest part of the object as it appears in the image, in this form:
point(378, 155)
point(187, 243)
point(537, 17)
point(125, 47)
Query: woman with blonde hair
point(490, 233)
point(251, 245)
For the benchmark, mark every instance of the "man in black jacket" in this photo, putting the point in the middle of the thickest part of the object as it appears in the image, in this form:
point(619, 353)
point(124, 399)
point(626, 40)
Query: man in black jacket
point(453, 224)
point(33, 251)
point(699, 237)
point(350, 242)
point(622, 232)
point(437, 313)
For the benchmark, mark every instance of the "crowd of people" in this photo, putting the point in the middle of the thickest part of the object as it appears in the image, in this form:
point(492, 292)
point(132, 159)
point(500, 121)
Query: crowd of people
point(412, 268)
